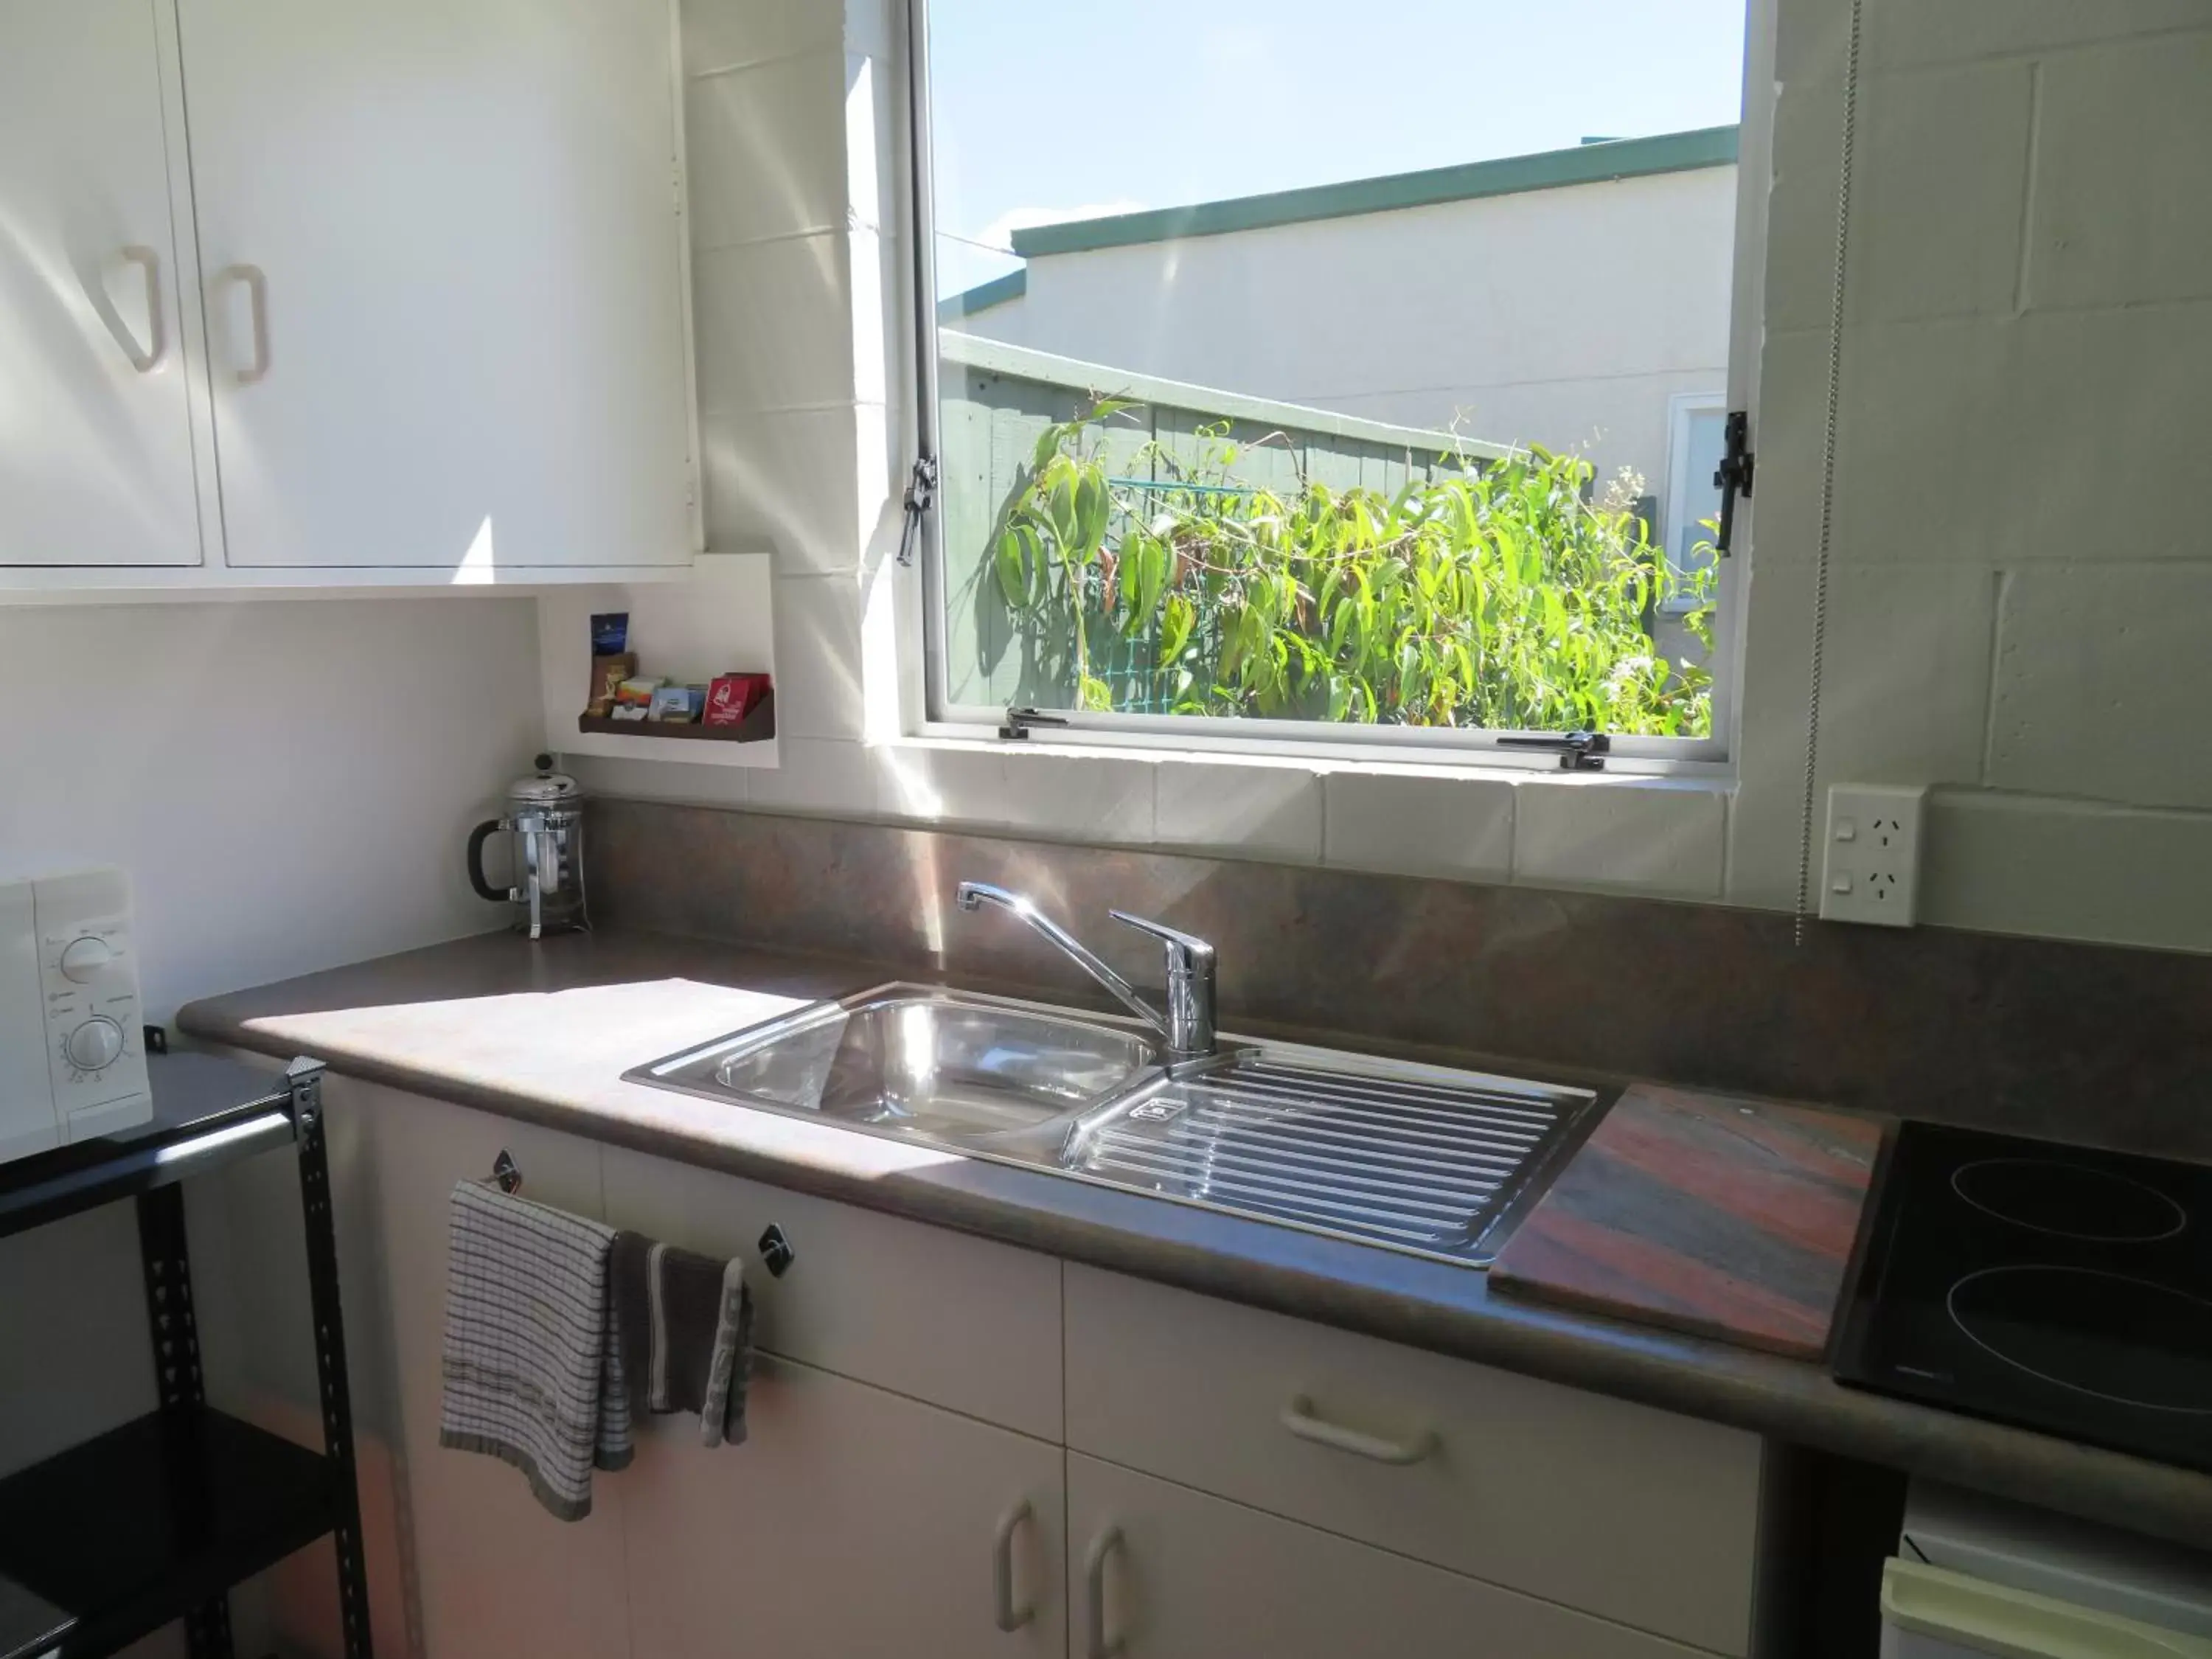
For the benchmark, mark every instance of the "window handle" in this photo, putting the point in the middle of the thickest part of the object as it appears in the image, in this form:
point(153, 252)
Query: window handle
point(1019, 722)
point(1733, 476)
point(1578, 751)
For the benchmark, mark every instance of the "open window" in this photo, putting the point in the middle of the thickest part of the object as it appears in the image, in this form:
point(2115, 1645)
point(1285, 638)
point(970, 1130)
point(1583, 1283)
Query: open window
point(1292, 383)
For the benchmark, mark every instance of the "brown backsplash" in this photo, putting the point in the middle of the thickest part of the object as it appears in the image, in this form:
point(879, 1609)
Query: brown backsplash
point(2078, 1042)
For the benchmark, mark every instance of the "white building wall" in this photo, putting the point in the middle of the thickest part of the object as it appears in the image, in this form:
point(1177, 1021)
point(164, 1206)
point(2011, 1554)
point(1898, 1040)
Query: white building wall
point(1564, 317)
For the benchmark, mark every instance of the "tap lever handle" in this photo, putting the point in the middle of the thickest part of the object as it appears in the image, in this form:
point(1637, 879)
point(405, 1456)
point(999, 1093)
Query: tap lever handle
point(1186, 947)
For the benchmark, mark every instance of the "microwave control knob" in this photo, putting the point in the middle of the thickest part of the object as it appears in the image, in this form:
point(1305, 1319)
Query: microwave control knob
point(93, 1045)
point(83, 958)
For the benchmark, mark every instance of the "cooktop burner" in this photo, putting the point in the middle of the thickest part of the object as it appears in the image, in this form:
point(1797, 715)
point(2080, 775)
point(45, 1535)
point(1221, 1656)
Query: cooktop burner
point(2061, 1289)
point(2068, 1200)
point(2128, 1341)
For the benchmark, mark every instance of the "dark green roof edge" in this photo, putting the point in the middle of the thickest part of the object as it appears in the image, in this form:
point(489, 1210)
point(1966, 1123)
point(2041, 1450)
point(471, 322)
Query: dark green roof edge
point(1585, 164)
point(984, 296)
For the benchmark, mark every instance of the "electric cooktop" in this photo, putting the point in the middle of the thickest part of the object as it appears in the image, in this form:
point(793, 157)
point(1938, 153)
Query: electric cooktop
point(2050, 1286)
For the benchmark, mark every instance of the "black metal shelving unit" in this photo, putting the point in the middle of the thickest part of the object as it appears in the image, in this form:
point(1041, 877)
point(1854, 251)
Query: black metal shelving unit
point(156, 1520)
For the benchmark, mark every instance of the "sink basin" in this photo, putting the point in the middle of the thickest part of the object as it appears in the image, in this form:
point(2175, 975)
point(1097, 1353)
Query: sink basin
point(1426, 1159)
point(910, 1060)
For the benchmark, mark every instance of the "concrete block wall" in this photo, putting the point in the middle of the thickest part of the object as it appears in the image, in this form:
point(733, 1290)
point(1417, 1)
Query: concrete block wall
point(2020, 561)
point(2021, 569)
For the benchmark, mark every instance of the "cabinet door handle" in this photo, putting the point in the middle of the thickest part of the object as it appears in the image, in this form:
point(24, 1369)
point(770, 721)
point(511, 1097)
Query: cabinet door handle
point(1098, 1643)
point(257, 292)
point(1009, 1617)
point(149, 265)
point(1298, 1418)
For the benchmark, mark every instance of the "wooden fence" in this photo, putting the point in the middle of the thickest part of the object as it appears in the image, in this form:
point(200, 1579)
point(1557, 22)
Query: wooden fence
point(994, 401)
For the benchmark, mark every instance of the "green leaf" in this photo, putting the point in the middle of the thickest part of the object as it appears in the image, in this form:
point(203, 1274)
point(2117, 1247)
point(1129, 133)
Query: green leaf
point(1090, 506)
point(1151, 560)
point(1176, 622)
point(1013, 574)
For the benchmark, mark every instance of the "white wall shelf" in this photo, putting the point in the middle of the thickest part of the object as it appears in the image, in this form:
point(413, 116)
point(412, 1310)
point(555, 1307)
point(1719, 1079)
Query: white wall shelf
point(718, 620)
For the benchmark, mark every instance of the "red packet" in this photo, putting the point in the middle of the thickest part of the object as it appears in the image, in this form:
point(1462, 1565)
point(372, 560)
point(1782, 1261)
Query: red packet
point(731, 697)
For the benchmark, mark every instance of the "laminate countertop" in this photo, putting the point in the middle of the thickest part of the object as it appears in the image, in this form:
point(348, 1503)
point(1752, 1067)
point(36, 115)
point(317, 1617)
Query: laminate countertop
point(543, 1031)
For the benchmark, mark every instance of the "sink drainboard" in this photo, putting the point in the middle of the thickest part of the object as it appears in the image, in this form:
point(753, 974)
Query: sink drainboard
point(1420, 1159)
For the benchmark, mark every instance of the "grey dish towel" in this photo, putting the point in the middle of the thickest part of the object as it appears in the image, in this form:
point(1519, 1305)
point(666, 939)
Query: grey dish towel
point(533, 1370)
point(685, 1326)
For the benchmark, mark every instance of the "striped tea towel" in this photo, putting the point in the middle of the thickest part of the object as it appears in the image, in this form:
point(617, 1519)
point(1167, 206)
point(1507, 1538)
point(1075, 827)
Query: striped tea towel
point(532, 1372)
point(684, 1325)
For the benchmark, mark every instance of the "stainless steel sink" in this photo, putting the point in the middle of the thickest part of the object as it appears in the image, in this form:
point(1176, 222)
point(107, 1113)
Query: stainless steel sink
point(1427, 1159)
point(919, 1061)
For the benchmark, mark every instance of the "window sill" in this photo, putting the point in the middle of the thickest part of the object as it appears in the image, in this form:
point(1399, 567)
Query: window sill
point(1621, 832)
point(1707, 776)
point(1656, 836)
point(1324, 757)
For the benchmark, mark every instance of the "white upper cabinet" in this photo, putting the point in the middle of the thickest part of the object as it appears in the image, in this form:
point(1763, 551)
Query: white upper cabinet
point(95, 427)
point(439, 239)
point(423, 317)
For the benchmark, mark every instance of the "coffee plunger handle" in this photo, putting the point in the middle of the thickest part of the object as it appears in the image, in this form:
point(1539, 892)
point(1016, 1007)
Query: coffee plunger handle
point(478, 836)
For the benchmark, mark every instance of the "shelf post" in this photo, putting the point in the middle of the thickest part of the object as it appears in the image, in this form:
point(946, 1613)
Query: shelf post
point(305, 1079)
point(177, 1379)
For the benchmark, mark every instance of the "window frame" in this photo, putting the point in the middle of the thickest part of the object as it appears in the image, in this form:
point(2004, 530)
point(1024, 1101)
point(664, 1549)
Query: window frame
point(919, 608)
point(1681, 407)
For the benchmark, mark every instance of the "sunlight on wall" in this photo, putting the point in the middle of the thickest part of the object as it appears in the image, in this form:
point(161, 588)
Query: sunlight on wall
point(477, 565)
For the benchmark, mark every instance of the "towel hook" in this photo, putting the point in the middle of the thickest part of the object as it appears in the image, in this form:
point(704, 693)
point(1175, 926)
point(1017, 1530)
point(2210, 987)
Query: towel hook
point(776, 1252)
point(505, 1173)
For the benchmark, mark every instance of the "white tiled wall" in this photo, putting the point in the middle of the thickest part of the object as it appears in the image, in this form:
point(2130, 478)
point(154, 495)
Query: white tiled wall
point(2021, 565)
point(2021, 558)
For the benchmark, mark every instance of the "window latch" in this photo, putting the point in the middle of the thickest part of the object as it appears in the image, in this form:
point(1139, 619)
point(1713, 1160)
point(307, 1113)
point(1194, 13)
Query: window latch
point(1578, 751)
point(1733, 475)
point(1020, 721)
point(921, 494)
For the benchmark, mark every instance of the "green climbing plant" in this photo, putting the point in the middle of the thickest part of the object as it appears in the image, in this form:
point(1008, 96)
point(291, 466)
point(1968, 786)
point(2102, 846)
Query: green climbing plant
point(1493, 594)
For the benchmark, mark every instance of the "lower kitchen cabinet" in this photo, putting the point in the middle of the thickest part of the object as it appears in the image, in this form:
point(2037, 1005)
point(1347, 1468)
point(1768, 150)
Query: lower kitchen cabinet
point(903, 1488)
point(1642, 1518)
point(1159, 1572)
point(853, 1521)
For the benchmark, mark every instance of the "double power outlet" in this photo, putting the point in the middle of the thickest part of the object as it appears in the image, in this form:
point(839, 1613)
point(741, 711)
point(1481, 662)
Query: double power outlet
point(1872, 873)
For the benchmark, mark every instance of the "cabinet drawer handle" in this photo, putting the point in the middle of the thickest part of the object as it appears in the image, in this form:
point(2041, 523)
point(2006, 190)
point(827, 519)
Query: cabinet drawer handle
point(1009, 1617)
point(1098, 1644)
point(149, 266)
point(1298, 1418)
point(257, 293)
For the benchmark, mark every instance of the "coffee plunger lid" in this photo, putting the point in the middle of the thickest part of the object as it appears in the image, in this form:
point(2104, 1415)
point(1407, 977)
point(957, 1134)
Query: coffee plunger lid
point(547, 788)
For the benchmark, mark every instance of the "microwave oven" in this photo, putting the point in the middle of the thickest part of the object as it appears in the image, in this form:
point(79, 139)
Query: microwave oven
point(72, 1048)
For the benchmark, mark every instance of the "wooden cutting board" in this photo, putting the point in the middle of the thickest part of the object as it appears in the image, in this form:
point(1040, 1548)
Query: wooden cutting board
point(1724, 1218)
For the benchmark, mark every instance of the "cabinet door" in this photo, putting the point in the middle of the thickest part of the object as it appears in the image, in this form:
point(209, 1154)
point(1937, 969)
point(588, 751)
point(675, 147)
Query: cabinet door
point(1159, 1572)
point(95, 428)
point(486, 1570)
point(440, 247)
point(852, 1521)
